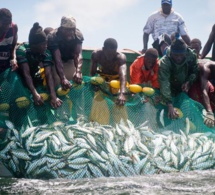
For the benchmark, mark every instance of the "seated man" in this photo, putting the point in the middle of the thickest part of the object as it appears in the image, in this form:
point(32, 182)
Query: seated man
point(144, 70)
point(177, 72)
point(32, 57)
point(65, 44)
point(111, 65)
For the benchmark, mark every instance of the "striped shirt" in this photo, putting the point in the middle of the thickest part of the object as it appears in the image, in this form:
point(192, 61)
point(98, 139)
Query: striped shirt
point(6, 42)
point(159, 23)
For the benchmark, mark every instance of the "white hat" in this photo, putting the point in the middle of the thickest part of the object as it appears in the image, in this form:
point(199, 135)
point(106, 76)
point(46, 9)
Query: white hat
point(68, 22)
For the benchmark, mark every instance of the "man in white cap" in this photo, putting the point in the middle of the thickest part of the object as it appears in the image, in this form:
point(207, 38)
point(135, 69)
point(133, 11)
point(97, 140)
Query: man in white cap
point(65, 44)
point(167, 21)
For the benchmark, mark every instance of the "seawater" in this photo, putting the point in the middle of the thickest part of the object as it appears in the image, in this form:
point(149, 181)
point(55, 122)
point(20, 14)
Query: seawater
point(194, 182)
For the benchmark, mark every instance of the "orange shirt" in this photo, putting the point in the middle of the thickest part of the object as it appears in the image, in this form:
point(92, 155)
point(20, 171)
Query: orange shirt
point(139, 75)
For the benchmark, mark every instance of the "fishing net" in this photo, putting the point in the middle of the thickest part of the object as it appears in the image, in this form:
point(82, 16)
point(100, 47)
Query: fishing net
point(90, 136)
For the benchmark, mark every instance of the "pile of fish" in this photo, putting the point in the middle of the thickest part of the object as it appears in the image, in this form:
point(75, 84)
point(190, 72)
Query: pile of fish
point(89, 150)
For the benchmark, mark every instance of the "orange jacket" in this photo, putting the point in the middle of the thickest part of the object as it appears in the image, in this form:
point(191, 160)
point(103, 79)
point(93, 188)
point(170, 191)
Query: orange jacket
point(138, 74)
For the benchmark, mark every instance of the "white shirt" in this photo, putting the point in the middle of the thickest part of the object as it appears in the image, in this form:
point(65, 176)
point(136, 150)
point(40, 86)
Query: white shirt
point(159, 23)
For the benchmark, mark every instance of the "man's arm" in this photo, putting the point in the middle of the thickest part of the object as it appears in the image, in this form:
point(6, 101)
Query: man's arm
point(29, 82)
point(209, 43)
point(204, 74)
point(59, 68)
point(55, 102)
point(145, 42)
point(123, 78)
point(186, 39)
point(13, 61)
point(78, 61)
point(93, 65)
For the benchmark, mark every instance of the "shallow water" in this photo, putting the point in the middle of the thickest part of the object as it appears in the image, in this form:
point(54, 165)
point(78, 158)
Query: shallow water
point(196, 182)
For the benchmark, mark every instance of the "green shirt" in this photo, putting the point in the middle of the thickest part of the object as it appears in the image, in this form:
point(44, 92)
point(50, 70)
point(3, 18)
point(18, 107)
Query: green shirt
point(35, 61)
point(172, 76)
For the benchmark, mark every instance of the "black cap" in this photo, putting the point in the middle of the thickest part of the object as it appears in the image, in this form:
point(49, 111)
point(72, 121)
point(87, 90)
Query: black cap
point(36, 35)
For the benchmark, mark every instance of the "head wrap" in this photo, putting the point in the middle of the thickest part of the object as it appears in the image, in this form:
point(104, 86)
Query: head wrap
point(36, 35)
point(68, 22)
point(178, 46)
point(167, 2)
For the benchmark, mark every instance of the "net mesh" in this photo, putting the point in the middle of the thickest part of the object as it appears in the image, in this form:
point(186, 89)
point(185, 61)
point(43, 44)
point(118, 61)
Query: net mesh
point(89, 135)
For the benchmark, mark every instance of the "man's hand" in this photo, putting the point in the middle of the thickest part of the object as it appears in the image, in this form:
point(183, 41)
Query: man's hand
point(77, 77)
point(185, 87)
point(209, 119)
point(65, 84)
point(56, 102)
point(172, 112)
point(13, 64)
point(38, 100)
point(121, 99)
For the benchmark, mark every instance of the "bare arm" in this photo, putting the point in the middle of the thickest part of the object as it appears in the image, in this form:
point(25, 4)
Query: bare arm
point(93, 65)
point(204, 74)
point(186, 39)
point(29, 82)
point(145, 42)
point(59, 68)
point(13, 49)
point(123, 78)
point(209, 43)
point(55, 102)
point(78, 61)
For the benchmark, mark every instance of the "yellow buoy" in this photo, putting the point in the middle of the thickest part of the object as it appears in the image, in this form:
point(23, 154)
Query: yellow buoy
point(148, 91)
point(180, 113)
point(22, 102)
point(115, 84)
point(4, 107)
point(45, 96)
point(134, 88)
point(62, 92)
point(97, 80)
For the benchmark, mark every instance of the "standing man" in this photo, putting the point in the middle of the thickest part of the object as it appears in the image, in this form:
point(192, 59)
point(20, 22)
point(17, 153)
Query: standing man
point(65, 44)
point(208, 45)
point(177, 71)
point(33, 57)
point(111, 65)
point(167, 21)
point(144, 70)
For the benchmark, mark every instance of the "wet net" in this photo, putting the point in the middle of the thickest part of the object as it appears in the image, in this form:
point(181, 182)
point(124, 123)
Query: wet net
point(90, 136)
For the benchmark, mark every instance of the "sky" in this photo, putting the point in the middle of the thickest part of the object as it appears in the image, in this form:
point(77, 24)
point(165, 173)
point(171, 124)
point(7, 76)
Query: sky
point(100, 19)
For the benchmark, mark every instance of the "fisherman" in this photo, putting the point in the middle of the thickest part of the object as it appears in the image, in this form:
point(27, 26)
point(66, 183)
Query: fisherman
point(208, 45)
point(8, 41)
point(65, 44)
point(167, 21)
point(33, 58)
point(144, 70)
point(177, 72)
point(111, 65)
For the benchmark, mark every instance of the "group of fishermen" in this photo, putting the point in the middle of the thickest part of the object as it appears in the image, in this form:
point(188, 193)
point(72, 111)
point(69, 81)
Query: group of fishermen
point(172, 66)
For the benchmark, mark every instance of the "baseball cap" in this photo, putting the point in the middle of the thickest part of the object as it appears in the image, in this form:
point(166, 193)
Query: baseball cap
point(167, 2)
